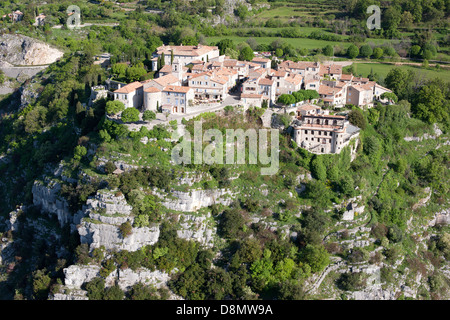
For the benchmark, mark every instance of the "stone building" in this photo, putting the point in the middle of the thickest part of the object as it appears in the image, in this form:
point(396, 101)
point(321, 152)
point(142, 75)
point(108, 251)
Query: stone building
point(323, 133)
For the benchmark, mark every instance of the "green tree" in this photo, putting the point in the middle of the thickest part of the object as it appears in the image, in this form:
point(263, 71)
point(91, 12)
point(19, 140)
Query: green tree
point(130, 115)
point(392, 97)
point(415, 50)
point(114, 107)
point(246, 54)
point(41, 284)
point(225, 44)
point(352, 51)
point(318, 169)
point(356, 117)
point(366, 51)
point(279, 52)
point(232, 53)
point(377, 53)
point(113, 293)
point(95, 288)
point(79, 152)
point(316, 257)
point(430, 104)
point(148, 115)
point(328, 50)
point(286, 99)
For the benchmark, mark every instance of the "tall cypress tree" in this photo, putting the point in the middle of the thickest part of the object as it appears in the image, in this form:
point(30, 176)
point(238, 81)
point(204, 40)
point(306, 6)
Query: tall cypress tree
point(163, 62)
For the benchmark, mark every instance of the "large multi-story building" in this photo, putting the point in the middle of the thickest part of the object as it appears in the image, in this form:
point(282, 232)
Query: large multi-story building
point(184, 54)
point(322, 133)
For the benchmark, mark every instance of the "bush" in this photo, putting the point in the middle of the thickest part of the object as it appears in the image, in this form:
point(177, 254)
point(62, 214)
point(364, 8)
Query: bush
point(114, 107)
point(148, 115)
point(356, 118)
point(351, 281)
point(125, 229)
point(130, 115)
point(395, 234)
point(352, 51)
point(95, 289)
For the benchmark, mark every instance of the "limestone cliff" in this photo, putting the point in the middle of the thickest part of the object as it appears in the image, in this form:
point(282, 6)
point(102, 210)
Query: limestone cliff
point(21, 50)
point(105, 213)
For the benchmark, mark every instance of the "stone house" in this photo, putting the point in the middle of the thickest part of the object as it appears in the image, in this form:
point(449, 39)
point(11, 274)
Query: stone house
point(184, 54)
point(208, 85)
point(131, 95)
point(323, 133)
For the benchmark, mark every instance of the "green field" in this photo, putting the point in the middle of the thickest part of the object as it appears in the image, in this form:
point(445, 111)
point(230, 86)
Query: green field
point(296, 42)
point(383, 69)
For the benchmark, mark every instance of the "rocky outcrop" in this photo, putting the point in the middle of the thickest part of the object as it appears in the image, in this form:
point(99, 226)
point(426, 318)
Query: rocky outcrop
point(21, 50)
point(440, 218)
point(196, 199)
point(98, 234)
point(76, 275)
point(374, 293)
point(128, 278)
point(70, 295)
point(352, 210)
point(196, 228)
point(106, 211)
point(47, 197)
point(426, 136)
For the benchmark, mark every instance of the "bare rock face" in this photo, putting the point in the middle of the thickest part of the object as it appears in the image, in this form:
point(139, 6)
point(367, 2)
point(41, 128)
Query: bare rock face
point(25, 51)
point(106, 211)
point(128, 278)
point(196, 228)
point(46, 196)
point(76, 275)
point(196, 199)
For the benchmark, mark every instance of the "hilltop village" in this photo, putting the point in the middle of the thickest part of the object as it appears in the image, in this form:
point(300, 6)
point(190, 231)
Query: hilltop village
point(192, 75)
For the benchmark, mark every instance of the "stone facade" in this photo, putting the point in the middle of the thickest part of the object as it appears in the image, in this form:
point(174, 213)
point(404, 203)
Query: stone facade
point(324, 134)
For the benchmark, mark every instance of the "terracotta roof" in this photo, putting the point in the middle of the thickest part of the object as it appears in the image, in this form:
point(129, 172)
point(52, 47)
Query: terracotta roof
point(197, 62)
point(265, 82)
point(199, 74)
point(192, 51)
point(152, 90)
point(307, 107)
point(295, 79)
point(166, 80)
point(129, 87)
point(363, 87)
point(166, 68)
point(346, 77)
point(198, 67)
point(230, 63)
point(279, 73)
point(328, 90)
point(330, 69)
point(258, 59)
point(177, 89)
point(301, 65)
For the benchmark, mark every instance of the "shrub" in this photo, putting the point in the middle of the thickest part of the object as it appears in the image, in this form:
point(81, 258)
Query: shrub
point(352, 51)
point(125, 229)
point(130, 115)
point(148, 115)
point(351, 281)
point(114, 107)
